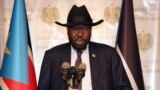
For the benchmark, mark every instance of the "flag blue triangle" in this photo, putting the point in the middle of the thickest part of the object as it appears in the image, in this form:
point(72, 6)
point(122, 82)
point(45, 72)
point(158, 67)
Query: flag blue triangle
point(15, 64)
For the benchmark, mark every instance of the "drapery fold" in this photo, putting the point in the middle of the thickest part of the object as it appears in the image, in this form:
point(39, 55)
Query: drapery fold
point(45, 34)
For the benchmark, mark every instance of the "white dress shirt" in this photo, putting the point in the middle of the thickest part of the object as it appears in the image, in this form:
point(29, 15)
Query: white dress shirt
point(86, 80)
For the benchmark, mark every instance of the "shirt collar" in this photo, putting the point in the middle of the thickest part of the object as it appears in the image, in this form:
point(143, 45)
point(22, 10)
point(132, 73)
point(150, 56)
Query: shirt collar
point(74, 51)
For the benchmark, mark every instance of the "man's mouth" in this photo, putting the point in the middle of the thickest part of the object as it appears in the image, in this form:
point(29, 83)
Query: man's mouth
point(79, 41)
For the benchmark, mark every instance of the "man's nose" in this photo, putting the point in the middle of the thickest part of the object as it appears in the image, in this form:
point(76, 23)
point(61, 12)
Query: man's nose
point(80, 32)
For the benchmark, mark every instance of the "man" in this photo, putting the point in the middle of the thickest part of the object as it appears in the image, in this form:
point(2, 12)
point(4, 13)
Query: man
point(104, 67)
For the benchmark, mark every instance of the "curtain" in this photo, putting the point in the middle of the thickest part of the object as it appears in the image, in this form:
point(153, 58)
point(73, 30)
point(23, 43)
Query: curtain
point(1, 31)
point(45, 34)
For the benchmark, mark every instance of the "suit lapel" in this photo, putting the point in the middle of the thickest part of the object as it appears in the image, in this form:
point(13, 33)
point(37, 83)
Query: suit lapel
point(93, 55)
point(66, 57)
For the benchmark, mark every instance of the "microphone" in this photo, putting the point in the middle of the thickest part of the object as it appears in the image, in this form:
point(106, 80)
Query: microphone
point(73, 84)
point(65, 72)
point(81, 72)
point(72, 75)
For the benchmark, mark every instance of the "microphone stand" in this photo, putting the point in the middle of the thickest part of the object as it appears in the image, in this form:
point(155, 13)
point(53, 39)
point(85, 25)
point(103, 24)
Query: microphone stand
point(73, 76)
point(73, 80)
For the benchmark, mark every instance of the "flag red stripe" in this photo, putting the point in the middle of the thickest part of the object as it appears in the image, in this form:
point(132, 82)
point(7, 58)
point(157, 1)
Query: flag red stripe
point(32, 77)
point(14, 85)
point(32, 85)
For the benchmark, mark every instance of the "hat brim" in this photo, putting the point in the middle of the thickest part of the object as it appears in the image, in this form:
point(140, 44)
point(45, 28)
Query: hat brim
point(75, 24)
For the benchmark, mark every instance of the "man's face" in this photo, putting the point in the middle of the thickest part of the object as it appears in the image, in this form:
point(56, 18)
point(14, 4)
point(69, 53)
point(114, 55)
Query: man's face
point(79, 36)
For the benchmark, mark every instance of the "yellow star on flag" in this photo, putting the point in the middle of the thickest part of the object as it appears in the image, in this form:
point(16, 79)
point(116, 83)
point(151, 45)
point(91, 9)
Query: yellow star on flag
point(6, 49)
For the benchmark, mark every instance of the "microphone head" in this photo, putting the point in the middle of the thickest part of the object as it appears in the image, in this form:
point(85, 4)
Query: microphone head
point(82, 66)
point(65, 65)
point(65, 71)
point(81, 71)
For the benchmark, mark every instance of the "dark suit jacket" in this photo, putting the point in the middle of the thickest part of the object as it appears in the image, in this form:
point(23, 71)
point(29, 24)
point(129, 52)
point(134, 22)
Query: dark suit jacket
point(107, 72)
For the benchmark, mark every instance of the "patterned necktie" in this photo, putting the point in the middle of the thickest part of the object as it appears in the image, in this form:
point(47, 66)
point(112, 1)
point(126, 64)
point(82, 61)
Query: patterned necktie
point(79, 61)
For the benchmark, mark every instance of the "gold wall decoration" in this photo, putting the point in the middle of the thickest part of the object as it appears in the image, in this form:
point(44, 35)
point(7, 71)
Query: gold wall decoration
point(49, 15)
point(5, 20)
point(111, 14)
point(145, 41)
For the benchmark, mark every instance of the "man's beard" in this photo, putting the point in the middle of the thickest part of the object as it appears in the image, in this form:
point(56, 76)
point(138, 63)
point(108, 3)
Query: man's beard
point(79, 47)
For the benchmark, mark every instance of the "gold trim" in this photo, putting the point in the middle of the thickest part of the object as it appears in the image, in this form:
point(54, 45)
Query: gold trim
point(145, 41)
point(111, 14)
point(49, 14)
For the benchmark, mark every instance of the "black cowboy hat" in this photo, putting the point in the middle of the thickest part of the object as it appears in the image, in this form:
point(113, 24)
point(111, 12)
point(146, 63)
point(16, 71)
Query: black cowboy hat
point(79, 16)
